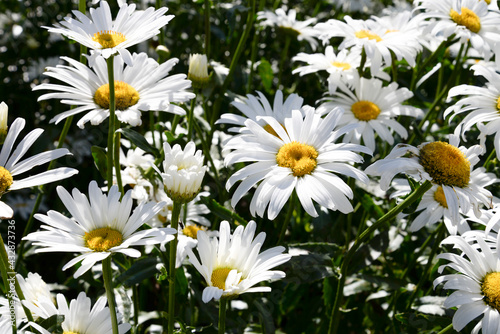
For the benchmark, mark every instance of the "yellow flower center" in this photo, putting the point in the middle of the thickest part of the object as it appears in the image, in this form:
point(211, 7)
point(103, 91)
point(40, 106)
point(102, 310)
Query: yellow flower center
point(102, 239)
point(300, 158)
point(343, 66)
point(192, 231)
point(125, 96)
point(219, 277)
point(446, 164)
point(487, 1)
point(467, 18)
point(498, 103)
point(440, 198)
point(365, 110)
point(490, 287)
point(108, 38)
point(367, 34)
point(5, 180)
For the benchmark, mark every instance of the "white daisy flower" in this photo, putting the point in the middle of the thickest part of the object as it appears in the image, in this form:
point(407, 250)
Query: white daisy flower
point(107, 36)
point(83, 318)
point(142, 87)
point(446, 165)
point(376, 40)
point(480, 103)
point(289, 23)
point(198, 70)
point(468, 20)
point(476, 283)
point(255, 108)
point(183, 171)
point(232, 263)
point(35, 290)
point(299, 155)
point(374, 108)
point(101, 225)
point(136, 162)
point(11, 164)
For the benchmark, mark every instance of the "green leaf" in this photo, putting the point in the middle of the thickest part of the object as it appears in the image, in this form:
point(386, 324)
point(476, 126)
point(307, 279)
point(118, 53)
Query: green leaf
point(52, 324)
point(222, 212)
point(142, 269)
point(100, 159)
point(138, 140)
point(182, 284)
point(309, 267)
point(266, 317)
point(266, 74)
point(370, 206)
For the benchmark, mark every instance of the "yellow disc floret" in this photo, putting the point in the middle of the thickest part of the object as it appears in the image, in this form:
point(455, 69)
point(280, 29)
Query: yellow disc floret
point(300, 158)
point(365, 110)
point(5, 180)
point(219, 277)
point(108, 38)
point(125, 96)
point(192, 231)
point(102, 239)
point(498, 104)
point(490, 287)
point(368, 34)
point(466, 18)
point(343, 66)
point(440, 198)
point(446, 164)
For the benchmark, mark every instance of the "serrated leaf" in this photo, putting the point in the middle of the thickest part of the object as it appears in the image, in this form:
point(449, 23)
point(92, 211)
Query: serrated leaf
point(139, 271)
point(222, 212)
point(138, 140)
point(100, 160)
point(266, 74)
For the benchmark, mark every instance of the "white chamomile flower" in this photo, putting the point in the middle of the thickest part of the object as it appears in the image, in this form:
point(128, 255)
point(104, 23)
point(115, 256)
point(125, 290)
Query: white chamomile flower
point(198, 70)
point(35, 290)
point(475, 283)
point(11, 164)
point(480, 103)
point(83, 318)
point(289, 23)
point(469, 20)
point(376, 40)
point(106, 36)
point(444, 164)
point(101, 225)
point(374, 107)
point(142, 87)
point(255, 107)
point(232, 263)
point(183, 171)
point(298, 154)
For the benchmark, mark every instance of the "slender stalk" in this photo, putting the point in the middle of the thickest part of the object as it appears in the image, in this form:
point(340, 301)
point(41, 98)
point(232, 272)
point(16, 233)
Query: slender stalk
point(174, 223)
point(489, 159)
point(335, 317)
point(108, 284)
point(446, 329)
point(111, 126)
point(288, 216)
point(284, 54)
point(191, 119)
point(222, 315)
point(161, 35)
point(253, 54)
point(116, 158)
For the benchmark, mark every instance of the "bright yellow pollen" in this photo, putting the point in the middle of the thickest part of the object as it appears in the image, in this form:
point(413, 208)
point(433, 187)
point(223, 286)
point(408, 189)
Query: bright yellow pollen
point(490, 287)
point(108, 38)
point(365, 110)
point(487, 1)
point(192, 231)
point(102, 239)
point(300, 158)
point(467, 18)
point(219, 277)
point(125, 96)
point(440, 198)
point(367, 34)
point(343, 66)
point(498, 104)
point(5, 180)
point(446, 164)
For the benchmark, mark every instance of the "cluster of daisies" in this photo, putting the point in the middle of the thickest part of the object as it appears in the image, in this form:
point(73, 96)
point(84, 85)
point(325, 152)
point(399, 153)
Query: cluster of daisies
point(277, 151)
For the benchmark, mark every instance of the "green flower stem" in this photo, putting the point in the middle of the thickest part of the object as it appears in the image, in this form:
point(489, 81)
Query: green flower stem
point(253, 54)
point(190, 117)
point(111, 126)
point(207, 28)
point(288, 216)
point(161, 35)
point(116, 158)
point(174, 223)
point(107, 275)
point(446, 329)
point(335, 317)
point(489, 159)
point(284, 54)
point(222, 315)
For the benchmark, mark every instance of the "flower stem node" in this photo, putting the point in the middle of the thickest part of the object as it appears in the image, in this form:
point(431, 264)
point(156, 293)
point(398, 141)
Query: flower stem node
point(446, 164)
